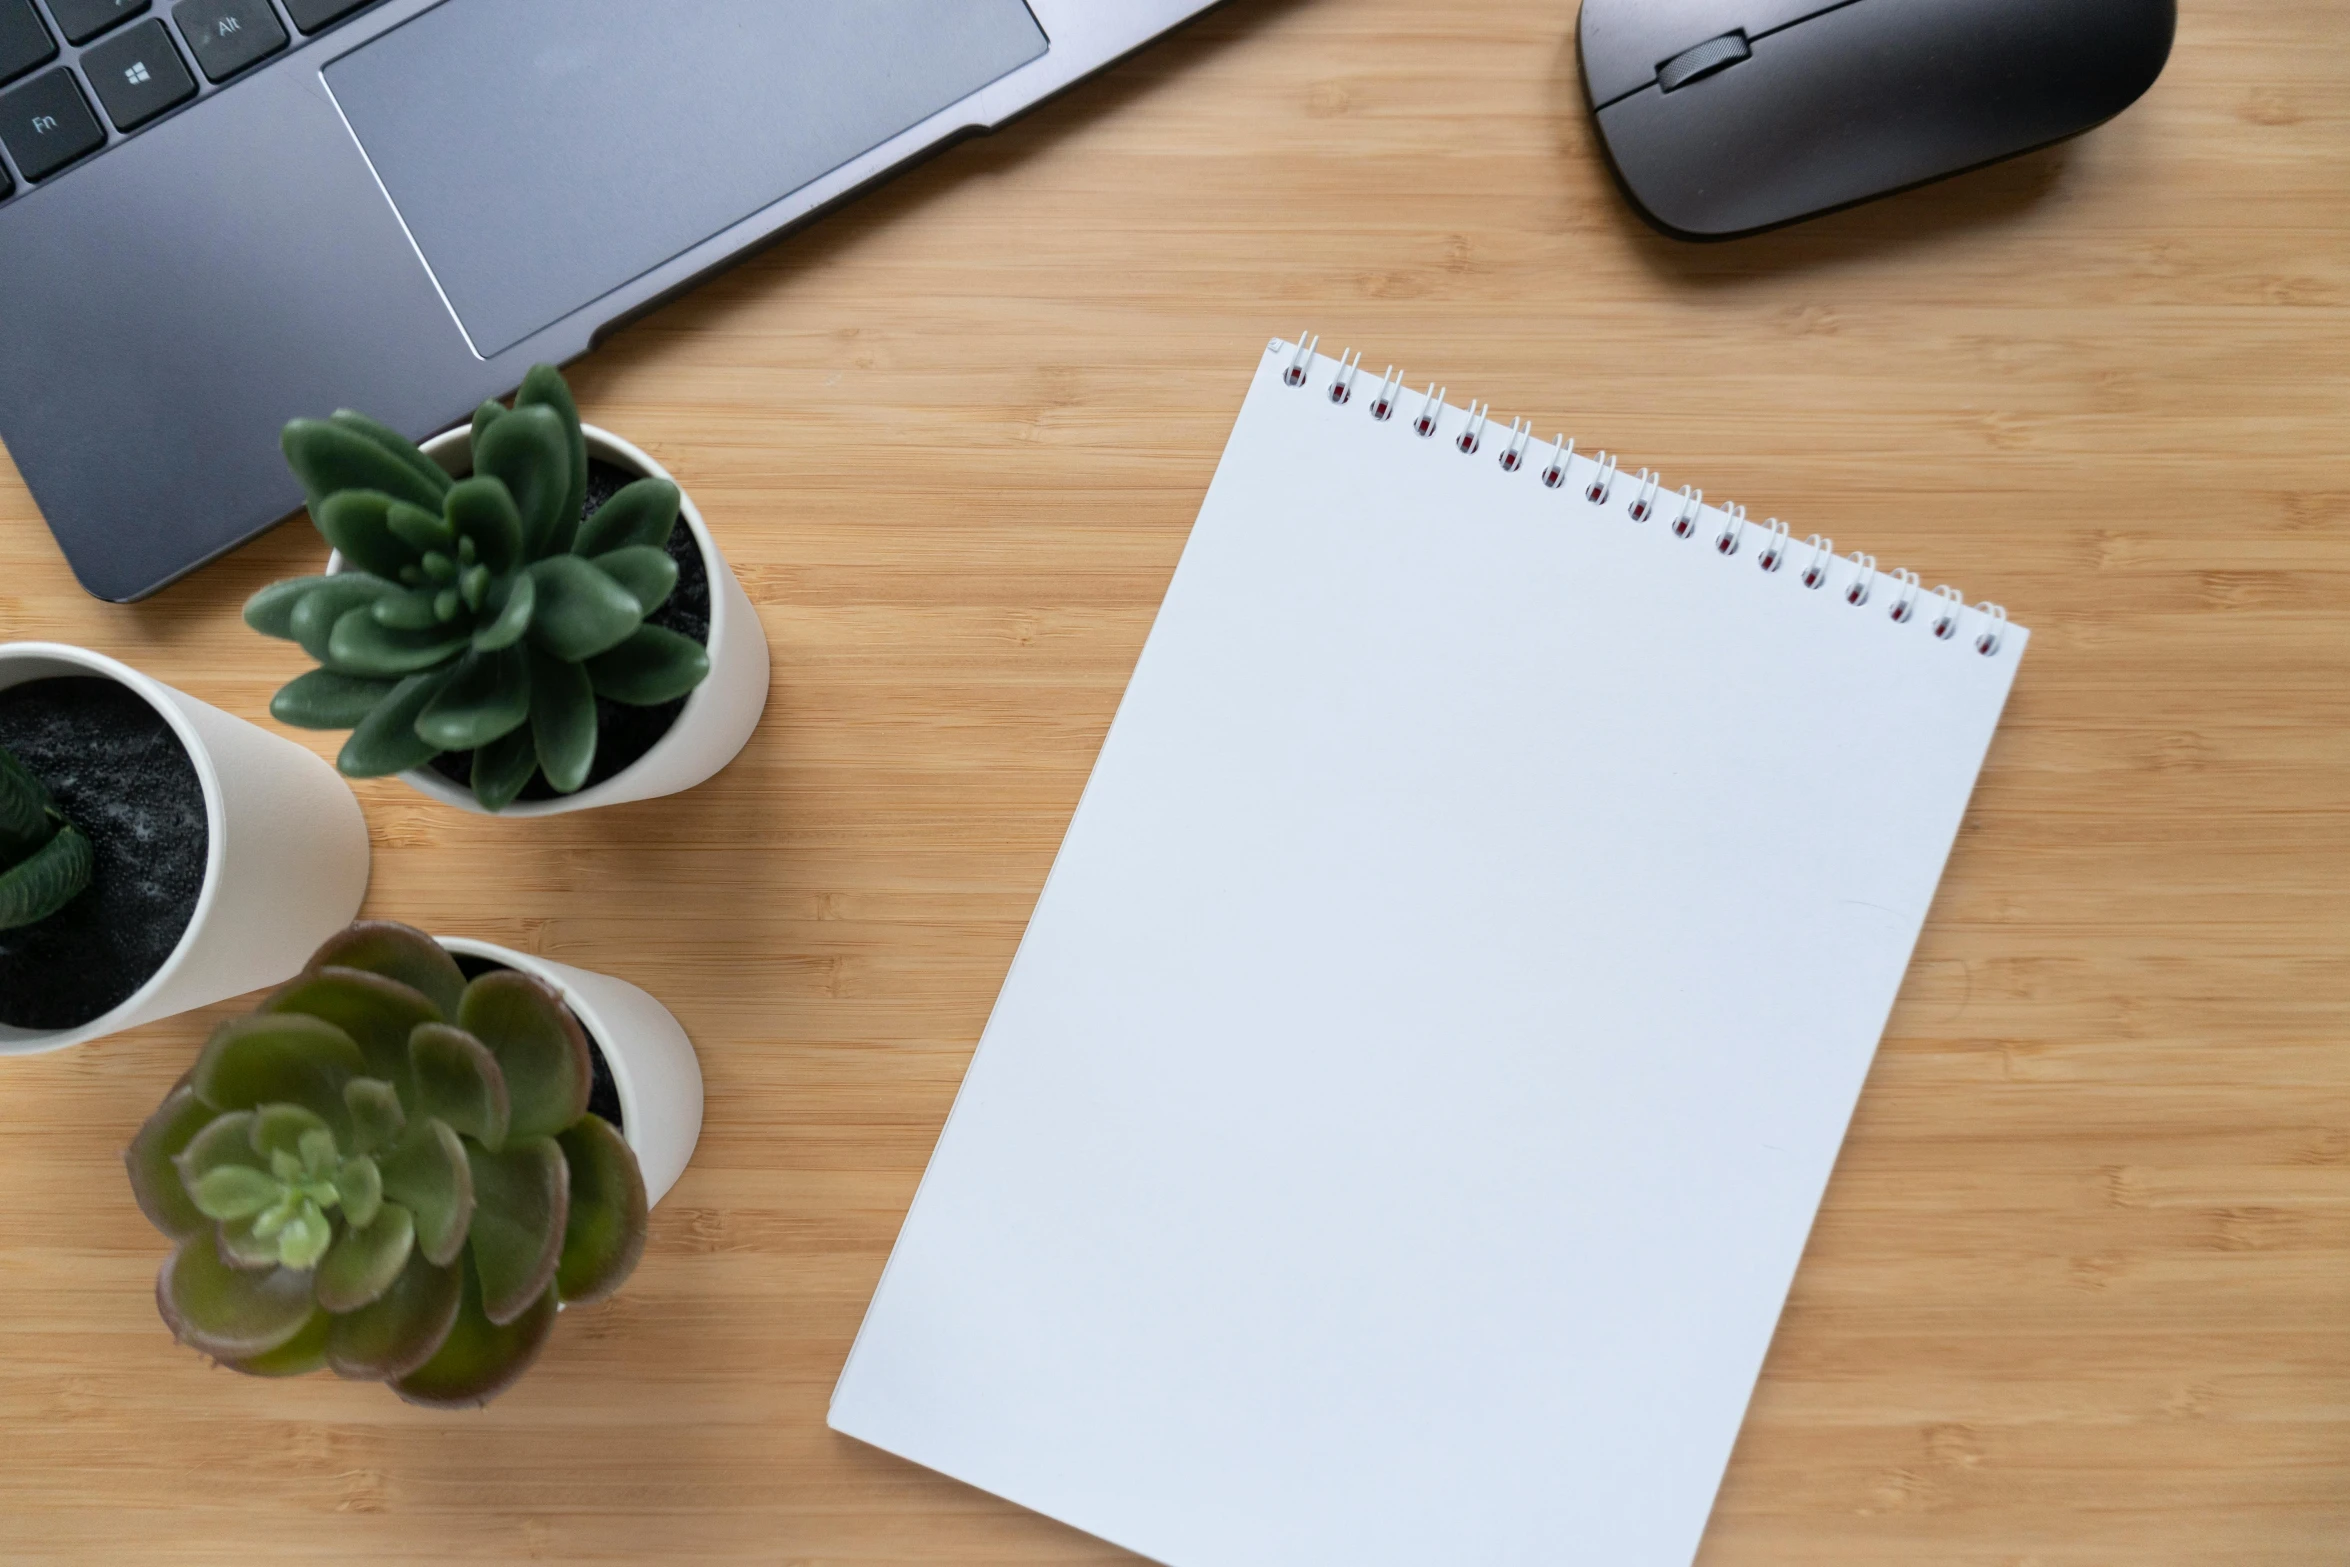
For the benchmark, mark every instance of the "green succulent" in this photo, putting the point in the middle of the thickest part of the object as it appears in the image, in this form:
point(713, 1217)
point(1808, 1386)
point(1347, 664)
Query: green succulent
point(45, 862)
point(482, 614)
point(390, 1172)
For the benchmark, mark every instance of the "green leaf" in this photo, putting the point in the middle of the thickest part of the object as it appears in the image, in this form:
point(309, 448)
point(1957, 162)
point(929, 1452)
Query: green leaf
point(323, 699)
point(241, 1246)
point(362, 645)
point(482, 509)
point(527, 451)
point(487, 696)
point(398, 952)
point(329, 458)
point(487, 414)
point(562, 721)
point(653, 666)
point(506, 611)
point(580, 611)
point(392, 441)
point(544, 387)
point(458, 1080)
point(364, 1260)
point(376, 1010)
point(313, 619)
point(271, 611)
point(377, 1119)
point(386, 742)
point(279, 1058)
point(539, 1047)
point(26, 821)
point(415, 610)
point(235, 1192)
point(53, 877)
point(643, 513)
point(422, 531)
point(648, 574)
point(223, 1142)
point(518, 1223)
point(228, 1312)
point(479, 1359)
point(604, 1235)
point(429, 1176)
point(401, 1329)
point(359, 523)
point(503, 769)
point(298, 1356)
point(360, 1184)
point(305, 1238)
point(155, 1180)
point(280, 1128)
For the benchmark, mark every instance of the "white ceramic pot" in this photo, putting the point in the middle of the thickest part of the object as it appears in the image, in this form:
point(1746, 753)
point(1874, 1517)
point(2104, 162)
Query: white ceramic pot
point(653, 1063)
point(288, 862)
point(720, 713)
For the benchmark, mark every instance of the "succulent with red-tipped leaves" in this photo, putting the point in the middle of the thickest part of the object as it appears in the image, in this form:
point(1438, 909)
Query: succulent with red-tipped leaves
point(390, 1172)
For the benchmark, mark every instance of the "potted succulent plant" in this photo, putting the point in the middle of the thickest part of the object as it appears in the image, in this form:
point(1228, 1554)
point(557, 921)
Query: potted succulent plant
point(525, 615)
point(159, 854)
point(402, 1170)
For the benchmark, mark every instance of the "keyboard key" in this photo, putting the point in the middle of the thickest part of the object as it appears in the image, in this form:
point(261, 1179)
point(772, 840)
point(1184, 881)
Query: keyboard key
point(84, 20)
point(24, 42)
point(138, 75)
point(227, 36)
point(47, 125)
point(311, 15)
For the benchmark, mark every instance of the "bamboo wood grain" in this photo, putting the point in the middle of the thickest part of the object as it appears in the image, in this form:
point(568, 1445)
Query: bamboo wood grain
point(2081, 1291)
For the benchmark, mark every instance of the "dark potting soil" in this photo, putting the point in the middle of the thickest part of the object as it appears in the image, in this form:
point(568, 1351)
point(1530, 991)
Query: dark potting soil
point(623, 734)
point(117, 771)
point(603, 1092)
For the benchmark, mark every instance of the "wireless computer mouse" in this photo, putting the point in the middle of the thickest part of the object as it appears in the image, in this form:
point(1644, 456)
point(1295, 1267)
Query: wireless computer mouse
point(1727, 116)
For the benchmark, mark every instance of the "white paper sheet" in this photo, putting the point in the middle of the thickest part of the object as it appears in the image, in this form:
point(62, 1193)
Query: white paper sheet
point(1400, 1125)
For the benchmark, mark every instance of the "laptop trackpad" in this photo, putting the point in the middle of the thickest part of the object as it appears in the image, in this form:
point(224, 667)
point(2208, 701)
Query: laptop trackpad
point(544, 152)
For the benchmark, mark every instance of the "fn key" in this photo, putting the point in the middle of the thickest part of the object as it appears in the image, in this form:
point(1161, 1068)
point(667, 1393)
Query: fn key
point(47, 125)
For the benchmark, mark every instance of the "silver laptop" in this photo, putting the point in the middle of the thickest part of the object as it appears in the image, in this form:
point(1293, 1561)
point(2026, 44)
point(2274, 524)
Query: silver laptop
point(221, 214)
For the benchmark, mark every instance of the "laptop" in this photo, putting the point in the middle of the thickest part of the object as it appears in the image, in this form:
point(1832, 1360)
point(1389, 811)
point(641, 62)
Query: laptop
point(222, 214)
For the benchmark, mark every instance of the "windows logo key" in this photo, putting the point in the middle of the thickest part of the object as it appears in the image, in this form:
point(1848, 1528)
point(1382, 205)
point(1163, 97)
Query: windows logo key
point(137, 73)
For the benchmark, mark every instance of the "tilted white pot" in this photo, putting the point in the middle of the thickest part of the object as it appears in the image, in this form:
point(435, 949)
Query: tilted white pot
point(653, 1063)
point(720, 713)
point(288, 857)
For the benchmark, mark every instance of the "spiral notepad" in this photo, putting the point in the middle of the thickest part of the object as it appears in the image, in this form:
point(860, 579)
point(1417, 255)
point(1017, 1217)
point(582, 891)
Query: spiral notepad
point(1401, 1123)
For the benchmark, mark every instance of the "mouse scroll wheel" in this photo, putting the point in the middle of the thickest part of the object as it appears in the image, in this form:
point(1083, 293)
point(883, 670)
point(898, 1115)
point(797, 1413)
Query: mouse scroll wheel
point(1715, 54)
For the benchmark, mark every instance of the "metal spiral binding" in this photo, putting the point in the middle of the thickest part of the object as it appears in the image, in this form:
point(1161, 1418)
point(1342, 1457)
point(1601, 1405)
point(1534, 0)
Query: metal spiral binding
point(1733, 529)
point(1556, 474)
point(1823, 555)
point(1295, 375)
point(1692, 502)
point(1645, 501)
point(1342, 389)
point(1521, 431)
point(1472, 437)
point(1425, 425)
point(1950, 607)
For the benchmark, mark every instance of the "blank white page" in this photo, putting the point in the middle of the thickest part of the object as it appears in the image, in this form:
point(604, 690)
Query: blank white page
point(1399, 1127)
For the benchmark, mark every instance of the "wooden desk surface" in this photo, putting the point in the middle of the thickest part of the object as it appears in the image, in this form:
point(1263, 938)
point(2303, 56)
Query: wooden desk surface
point(2081, 1291)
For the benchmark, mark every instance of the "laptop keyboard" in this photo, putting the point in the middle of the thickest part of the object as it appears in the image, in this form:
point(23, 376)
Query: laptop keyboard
point(76, 75)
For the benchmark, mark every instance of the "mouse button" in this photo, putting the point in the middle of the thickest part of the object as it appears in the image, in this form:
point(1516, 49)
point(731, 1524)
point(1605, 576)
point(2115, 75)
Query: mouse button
point(1622, 40)
point(1690, 65)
